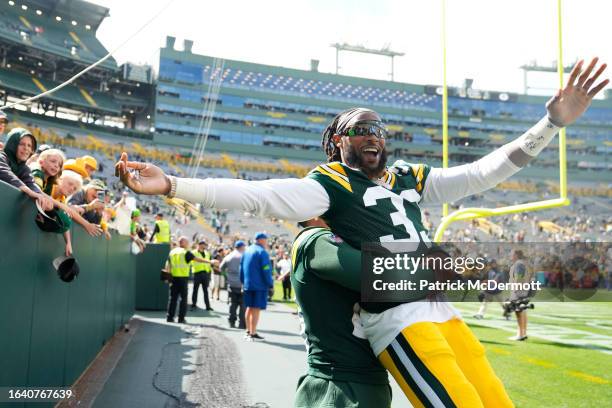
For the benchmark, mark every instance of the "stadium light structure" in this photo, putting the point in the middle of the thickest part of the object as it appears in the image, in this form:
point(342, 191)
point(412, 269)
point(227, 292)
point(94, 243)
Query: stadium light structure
point(473, 213)
point(534, 67)
point(385, 52)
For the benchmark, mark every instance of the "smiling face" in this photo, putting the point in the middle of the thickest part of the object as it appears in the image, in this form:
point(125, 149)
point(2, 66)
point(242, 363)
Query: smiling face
point(367, 152)
point(25, 148)
point(51, 165)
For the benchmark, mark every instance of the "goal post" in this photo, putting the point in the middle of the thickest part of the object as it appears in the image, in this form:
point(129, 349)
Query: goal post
point(477, 212)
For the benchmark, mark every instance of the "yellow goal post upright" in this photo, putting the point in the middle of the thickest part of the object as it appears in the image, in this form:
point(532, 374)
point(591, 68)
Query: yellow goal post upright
point(476, 212)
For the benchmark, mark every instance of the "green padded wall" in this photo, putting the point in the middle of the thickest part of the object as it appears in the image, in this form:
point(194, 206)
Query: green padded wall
point(50, 331)
point(151, 292)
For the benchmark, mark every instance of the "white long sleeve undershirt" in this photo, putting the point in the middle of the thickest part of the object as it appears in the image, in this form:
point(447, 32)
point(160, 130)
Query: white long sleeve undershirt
point(453, 183)
point(288, 199)
point(303, 199)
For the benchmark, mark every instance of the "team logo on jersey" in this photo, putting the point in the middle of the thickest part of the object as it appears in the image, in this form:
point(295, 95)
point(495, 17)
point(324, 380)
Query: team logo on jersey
point(336, 239)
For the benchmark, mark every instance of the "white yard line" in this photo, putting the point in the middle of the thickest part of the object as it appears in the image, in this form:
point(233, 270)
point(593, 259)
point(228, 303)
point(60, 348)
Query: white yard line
point(553, 333)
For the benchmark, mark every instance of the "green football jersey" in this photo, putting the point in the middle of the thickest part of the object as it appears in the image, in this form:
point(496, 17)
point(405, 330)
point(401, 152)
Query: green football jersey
point(326, 290)
point(362, 210)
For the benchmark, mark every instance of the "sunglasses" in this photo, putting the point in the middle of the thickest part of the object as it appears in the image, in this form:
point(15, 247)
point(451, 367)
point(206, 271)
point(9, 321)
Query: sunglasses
point(366, 128)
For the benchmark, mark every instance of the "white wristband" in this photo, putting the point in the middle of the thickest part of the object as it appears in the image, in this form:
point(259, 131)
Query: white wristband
point(538, 137)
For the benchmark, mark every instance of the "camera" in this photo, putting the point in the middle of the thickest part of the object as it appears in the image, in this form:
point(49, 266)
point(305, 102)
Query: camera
point(517, 305)
point(101, 194)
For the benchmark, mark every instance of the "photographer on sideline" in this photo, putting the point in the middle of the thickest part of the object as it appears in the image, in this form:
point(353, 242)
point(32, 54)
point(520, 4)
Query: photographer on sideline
point(519, 273)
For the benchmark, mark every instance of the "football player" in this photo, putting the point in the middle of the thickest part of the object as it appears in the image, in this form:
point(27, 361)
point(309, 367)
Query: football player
point(361, 201)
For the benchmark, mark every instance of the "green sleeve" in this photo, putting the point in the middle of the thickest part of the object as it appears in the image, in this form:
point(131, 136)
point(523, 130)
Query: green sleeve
point(335, 261)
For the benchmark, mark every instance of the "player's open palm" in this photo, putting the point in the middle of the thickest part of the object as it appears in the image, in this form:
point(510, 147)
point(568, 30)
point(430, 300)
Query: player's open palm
point(142, 178)
point(572, 101)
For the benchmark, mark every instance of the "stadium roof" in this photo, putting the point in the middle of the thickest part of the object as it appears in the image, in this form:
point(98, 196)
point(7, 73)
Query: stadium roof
point(78, 10)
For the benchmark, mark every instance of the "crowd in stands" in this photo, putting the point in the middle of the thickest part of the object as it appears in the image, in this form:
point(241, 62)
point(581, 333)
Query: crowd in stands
point(532, 227)
point(576, 265)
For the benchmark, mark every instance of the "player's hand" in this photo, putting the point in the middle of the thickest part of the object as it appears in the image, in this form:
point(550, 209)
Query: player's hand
point(572, 101)
point(142, 178)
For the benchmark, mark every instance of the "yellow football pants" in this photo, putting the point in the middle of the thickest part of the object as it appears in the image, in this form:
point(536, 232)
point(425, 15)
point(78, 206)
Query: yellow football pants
point(443, 365)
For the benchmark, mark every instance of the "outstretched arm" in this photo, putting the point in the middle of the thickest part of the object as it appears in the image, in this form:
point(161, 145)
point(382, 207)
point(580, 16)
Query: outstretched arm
point(568, 104)
point(290, 199)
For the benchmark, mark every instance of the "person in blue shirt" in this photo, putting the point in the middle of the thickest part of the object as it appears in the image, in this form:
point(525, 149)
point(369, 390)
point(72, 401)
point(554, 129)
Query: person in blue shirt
point(256, 278)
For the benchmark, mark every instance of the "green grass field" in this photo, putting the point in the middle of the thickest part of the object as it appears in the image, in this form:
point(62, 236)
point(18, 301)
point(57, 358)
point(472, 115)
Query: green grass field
point(566, 362)
point(278, 295)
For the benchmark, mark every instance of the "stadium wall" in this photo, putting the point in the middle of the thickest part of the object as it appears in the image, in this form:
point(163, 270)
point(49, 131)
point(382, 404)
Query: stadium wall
point(151, 292)
point(52, 330)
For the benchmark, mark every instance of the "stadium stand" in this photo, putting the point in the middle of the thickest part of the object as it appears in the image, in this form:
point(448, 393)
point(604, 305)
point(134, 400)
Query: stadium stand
point(265, 122)
point(64, 28)
point(281, 112)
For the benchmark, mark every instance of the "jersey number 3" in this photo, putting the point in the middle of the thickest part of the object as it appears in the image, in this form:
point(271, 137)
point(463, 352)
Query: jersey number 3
point(373, 194)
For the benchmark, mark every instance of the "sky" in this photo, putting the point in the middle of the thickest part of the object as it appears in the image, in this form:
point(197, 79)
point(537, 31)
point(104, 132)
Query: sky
point(487, 40)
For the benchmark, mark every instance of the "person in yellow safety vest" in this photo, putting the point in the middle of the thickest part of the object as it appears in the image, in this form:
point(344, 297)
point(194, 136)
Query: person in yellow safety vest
point(161, 233)
point(201, 276)
point(178, 266)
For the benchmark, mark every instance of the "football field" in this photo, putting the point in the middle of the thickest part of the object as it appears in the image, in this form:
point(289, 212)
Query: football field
point(567, 360)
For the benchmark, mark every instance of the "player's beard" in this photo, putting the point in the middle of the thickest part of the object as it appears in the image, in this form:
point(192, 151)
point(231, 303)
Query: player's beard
point(354, 158)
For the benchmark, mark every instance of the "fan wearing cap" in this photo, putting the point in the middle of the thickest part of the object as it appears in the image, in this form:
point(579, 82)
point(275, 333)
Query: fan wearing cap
point(90, 164)
point(136, 232)
point(256, 278)
point(20, 145)
point(78, 166)
point(89, 202)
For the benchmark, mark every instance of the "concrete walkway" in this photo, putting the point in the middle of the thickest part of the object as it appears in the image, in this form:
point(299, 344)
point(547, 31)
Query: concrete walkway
point(207, 364)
